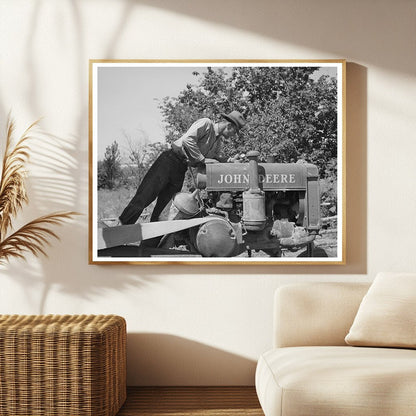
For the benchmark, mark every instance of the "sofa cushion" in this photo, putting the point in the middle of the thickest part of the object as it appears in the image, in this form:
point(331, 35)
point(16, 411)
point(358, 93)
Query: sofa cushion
point(387, 314)
point(342, 381)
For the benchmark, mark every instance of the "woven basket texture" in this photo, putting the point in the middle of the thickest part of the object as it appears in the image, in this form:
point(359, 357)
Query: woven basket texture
point(54, 365)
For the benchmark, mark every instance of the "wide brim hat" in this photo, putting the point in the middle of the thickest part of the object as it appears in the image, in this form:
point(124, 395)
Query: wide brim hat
point(236, 118)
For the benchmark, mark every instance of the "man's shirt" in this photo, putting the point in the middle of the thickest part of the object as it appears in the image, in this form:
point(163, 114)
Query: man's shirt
point(200, 141)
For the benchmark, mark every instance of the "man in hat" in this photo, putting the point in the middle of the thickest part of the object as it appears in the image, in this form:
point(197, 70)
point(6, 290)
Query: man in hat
point(165, 177)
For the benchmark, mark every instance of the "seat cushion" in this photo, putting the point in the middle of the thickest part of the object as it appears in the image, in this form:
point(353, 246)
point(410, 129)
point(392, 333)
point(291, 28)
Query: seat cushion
point(341, 381)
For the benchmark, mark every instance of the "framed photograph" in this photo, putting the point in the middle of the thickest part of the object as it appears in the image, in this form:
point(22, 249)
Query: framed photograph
point(217, 162)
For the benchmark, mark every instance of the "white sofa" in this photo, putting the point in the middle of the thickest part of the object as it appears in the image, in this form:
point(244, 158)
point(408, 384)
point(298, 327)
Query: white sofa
point(311, 371)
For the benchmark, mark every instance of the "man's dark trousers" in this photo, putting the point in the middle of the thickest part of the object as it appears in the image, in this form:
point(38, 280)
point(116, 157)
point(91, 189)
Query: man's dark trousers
point(162, 181)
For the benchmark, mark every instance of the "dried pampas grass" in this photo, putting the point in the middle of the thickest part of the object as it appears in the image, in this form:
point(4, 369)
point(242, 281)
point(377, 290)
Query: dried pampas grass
point(34, 236)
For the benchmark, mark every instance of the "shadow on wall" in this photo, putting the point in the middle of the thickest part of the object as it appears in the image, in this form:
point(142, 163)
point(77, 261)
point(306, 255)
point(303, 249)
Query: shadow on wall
point(72, 148)
point(338, 28)
point(54, 187)
point(57, 158)
point(161, 359)
point(356, 169)
point(60, 180)
point(64, 184)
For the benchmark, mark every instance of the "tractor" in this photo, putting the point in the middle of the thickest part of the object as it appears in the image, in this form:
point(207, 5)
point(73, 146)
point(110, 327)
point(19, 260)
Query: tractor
point(235, 209)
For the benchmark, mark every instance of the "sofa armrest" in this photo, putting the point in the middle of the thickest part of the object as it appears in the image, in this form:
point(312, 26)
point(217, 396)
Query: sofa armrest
point(308, 314)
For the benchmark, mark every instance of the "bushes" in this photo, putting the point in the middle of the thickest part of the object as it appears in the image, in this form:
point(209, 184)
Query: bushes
point(328, 185)
point(109, 169)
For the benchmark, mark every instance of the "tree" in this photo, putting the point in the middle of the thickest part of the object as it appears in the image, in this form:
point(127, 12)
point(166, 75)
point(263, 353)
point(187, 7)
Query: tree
point(109, 169)
point(141, 154)
point(136, 153)
point(289, 112)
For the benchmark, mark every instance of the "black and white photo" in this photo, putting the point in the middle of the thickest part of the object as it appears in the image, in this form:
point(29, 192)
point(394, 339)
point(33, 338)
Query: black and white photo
point(224, 162)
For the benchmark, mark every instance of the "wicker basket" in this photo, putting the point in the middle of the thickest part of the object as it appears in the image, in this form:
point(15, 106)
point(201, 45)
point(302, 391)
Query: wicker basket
point(71, 365)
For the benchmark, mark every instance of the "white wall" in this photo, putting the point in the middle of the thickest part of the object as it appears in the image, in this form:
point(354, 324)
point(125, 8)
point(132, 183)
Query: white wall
point(204, 325)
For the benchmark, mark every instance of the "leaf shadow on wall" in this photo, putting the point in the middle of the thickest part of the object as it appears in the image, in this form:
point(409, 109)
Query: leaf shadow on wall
point(163, 359)
point(53, 187)
point(60, 179)
point(337, 28)
point(66, 183)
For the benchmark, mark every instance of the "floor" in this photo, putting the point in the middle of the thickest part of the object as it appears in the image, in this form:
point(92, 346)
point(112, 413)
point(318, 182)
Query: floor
point(187, 401)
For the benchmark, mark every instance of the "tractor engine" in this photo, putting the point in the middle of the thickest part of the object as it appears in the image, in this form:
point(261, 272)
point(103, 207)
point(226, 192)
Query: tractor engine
point(259, 206)
point(234, 208)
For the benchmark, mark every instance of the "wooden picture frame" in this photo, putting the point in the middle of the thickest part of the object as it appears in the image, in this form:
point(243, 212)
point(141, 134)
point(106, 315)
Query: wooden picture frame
point(284, 204)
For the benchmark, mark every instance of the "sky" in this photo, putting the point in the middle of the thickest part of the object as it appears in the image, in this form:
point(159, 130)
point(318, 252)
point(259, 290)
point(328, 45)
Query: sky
point(128, 99)
point(128, 95)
